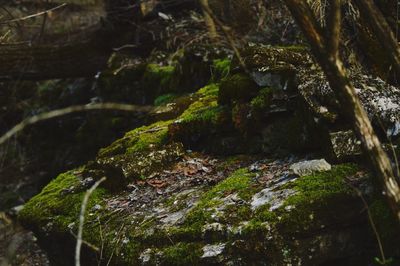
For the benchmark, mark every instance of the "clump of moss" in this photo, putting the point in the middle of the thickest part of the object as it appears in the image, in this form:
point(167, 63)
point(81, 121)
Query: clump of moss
point(238, 182)
point(313, 205)
point(152, 136)
point(203, 118)
point(139, 139)
point(220, 69)
point(165, 98)
point(238, 87)
point(157, 80)
point(59, 203)
point(182, 254)
point(263, 100)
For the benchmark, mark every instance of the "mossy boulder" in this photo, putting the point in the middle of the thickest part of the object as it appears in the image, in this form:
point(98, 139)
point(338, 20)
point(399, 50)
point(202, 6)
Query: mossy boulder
point(173, 197)
point(260, 213)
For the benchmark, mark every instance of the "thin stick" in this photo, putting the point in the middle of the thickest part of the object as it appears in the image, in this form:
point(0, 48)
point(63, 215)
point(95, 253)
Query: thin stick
point(33, 15)
point(371, 221)
point(72, 109)
point(82, 220)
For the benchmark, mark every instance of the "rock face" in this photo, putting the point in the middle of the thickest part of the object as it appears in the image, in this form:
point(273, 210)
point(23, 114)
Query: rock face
point(218, 184)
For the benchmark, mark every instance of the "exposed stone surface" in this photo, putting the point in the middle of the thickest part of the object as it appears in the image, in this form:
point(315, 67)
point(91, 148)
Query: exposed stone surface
point(345, 143)
point(310, 167)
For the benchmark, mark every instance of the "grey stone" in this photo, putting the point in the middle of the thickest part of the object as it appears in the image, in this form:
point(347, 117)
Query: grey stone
point(309, 167)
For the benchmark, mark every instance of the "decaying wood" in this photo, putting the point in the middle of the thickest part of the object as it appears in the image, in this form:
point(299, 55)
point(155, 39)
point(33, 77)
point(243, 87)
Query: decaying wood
point(347, 96)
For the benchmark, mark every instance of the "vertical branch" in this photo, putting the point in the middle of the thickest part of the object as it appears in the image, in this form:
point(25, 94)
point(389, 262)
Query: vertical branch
point(349, 101)
point(212, 30)
point(333, 31)
point(82, 220)
point(305, 17)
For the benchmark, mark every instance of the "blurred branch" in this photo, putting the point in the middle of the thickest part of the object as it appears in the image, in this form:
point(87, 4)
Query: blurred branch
point(72, 109)
point(226, 32)
point(33, 15)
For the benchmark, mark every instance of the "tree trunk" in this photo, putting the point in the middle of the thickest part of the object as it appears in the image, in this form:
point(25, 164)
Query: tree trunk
point(347, 96)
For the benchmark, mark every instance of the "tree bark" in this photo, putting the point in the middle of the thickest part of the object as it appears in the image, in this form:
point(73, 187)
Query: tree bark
point(381, 29)
point(349, 101)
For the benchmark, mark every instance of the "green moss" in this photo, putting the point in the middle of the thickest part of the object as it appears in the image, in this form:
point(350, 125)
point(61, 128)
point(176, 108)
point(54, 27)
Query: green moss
point(158, 77)
point(238, 87)
point(164, 99)
point(322, 185)
point(182, 254)
point(263, 100)
point(317, 196)
point(238, 182)
point(263, 214)
point(313, 205)
point(384, 220)
point(139, 139)
point(58, 206)
point(202, 119)
point(205, 109)
point(220, 69)
point(210, 90)
point(146, 137)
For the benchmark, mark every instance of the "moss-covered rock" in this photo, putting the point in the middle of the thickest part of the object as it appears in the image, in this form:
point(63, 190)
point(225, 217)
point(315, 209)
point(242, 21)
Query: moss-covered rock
point(220, 69)
point(238, 87)
point(241, 218)
point(165, 205)
point(121, 169)
point(58, 205)
point(276, 58)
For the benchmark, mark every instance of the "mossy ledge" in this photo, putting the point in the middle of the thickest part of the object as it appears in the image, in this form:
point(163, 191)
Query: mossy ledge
point(222, 219)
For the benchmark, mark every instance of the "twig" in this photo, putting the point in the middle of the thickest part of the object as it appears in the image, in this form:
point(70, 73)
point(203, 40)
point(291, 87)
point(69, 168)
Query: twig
point(82, 220)
point(72, 109)
point(33, 15)
point(102, 243)
point(117, 242)
point(371, 221)
point(43, 27)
